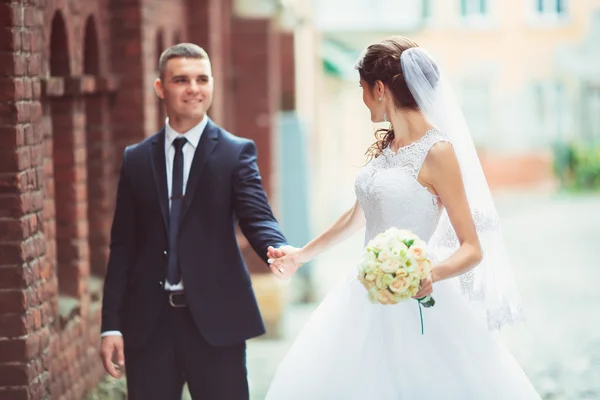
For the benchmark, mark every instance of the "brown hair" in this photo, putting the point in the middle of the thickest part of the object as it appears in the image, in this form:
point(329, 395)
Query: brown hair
point(381, 62)
point(187, 50)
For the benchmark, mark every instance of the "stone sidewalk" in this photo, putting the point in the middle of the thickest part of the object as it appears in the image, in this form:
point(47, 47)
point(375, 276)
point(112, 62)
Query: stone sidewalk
point(553, 243)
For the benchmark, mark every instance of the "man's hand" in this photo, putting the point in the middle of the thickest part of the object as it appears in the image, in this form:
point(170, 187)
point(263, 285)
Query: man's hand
point(284, 261)
point(111, 347)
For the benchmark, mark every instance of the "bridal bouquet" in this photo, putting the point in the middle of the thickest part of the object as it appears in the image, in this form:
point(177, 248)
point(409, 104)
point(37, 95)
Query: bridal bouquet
point(393, 265)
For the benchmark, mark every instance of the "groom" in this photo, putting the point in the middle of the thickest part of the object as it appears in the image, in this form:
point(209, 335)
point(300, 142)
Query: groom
point(178, 303)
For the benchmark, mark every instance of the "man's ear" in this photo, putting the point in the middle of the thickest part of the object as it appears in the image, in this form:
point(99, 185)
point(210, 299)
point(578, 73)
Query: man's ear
point(158, 89)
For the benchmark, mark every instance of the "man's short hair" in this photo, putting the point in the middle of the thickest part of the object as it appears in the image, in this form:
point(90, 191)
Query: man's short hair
point(187, 50)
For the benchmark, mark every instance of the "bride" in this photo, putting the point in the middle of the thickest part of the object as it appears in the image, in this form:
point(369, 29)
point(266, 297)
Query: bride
point(424, 175)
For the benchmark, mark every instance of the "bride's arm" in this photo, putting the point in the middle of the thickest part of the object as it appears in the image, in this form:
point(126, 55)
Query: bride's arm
point(447, 182)
point(347, 224)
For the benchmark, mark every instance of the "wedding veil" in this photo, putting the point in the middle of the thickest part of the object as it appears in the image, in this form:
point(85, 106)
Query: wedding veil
point(490, 286)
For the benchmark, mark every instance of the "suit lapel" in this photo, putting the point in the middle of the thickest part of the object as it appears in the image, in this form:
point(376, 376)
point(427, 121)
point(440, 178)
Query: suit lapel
point(159, 169)
point(207, 144)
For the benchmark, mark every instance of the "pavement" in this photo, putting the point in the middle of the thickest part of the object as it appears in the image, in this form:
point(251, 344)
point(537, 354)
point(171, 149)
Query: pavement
point(553, 241)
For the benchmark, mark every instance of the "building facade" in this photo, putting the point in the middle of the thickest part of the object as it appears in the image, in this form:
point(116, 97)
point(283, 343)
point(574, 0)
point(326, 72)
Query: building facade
point(524, 71)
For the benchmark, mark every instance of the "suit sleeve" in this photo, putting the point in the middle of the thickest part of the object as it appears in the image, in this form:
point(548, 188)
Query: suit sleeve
point(122, 246)
point(251, 205)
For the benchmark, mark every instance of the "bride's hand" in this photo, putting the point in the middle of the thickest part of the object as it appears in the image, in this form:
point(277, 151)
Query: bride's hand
point(285, 261)
point(425, 289)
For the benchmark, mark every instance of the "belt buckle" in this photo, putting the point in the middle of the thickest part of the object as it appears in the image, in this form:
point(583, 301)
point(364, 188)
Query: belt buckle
point(172, 304)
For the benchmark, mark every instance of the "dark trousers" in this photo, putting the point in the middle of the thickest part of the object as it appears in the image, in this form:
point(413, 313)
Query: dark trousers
point(176, 353)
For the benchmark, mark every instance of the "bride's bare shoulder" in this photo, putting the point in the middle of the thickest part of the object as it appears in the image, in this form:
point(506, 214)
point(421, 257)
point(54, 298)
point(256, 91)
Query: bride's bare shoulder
point(441, 155)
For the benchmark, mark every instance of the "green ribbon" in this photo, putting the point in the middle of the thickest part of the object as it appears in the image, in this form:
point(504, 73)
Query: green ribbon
point(421, 315)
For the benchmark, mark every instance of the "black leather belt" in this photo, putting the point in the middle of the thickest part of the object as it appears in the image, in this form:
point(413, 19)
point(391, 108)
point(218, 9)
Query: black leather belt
point(177, 299)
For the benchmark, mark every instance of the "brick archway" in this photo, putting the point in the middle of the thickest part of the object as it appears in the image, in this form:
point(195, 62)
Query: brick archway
point(159, 48)
point(91, 62)
point(65, 175)
point(97, 132)
point(59, 46)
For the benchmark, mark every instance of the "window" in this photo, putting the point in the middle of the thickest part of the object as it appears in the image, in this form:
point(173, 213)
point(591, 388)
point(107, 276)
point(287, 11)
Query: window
point(427, 9)
point(550, 8)
point(550, 111)
point(591, 114)
point(473, 7)
point(476, 104)
point(475, 14)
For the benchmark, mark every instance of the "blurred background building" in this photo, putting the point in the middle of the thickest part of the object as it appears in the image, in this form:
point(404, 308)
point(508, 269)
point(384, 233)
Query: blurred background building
point(76, 88)
point(527, 74)
point(525, 71)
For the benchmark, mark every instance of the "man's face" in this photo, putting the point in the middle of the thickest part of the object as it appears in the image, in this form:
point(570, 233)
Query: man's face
point(186, 88)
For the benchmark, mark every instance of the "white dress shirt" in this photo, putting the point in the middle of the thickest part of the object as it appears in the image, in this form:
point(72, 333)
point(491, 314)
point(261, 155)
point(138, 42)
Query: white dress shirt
point(193, 139)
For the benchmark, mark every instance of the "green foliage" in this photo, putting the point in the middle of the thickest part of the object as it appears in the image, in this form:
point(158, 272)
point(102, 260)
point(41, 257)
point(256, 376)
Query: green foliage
point(116, 389)
point(577, 165)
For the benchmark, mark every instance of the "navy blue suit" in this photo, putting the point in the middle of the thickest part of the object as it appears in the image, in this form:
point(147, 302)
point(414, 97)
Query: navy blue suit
point(223, 190)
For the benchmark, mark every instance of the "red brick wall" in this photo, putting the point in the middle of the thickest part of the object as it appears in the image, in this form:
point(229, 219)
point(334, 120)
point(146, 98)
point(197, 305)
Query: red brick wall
point(57, 180)
point(256, 85)
point(75, 89)
point(210, 27)
point(27, 280)
point(519, 171)
point(162, 21)
point(256, 93)
point(288, 71)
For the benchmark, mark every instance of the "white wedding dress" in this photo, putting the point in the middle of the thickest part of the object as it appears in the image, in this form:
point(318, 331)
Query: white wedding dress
point(352, 349)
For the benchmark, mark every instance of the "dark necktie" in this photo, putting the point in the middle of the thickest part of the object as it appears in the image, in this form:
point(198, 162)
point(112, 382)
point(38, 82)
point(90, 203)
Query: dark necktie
point(173, 272)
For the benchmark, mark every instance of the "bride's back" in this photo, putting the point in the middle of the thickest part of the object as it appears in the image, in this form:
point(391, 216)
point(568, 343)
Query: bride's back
point(390, 194)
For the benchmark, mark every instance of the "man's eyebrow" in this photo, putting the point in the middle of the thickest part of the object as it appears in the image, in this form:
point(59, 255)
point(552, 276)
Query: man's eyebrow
point(186, 76)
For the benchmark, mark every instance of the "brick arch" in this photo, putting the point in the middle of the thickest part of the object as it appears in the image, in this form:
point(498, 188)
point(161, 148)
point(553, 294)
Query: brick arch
point(98, 156)
point(159, 46)
point(91, 54)
point(59, 46)
point(66, 175)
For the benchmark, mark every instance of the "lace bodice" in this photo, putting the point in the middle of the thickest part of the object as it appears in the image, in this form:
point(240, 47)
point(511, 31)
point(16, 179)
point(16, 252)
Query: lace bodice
point(390, 195)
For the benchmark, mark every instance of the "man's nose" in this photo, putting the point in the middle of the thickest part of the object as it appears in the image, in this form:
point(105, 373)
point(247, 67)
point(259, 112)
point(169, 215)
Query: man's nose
point(193, 87)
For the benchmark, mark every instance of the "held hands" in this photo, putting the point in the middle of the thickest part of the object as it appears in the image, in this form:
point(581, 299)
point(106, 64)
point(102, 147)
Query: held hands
point(284, 261)
point(112, 347)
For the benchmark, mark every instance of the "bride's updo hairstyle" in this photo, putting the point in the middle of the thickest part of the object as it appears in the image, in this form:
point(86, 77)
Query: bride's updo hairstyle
point(381, 62)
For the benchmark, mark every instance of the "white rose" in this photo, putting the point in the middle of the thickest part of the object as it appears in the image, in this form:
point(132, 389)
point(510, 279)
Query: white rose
point(424, 268)
point(389, 266)
point(385, 255)
point(385, 297)
point(399, 285)
point(399, 250)
point(370, 277)
point(403, 296)
point(379, 282)
point(413, 289)
point(369, 267)
point(418, 250)
point(410, 263)
point(387, 279)
point(367, 284)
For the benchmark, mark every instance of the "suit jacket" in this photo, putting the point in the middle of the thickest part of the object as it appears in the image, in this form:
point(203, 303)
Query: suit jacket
point(223, 189)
